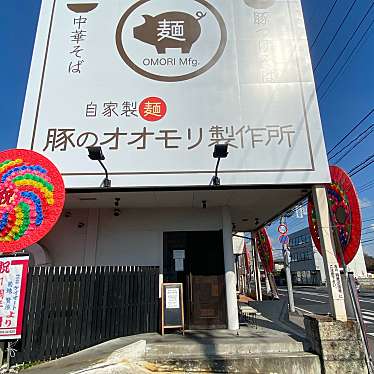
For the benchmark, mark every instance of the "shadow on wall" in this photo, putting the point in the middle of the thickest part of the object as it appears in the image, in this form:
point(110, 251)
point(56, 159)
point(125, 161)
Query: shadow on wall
point(38, 255)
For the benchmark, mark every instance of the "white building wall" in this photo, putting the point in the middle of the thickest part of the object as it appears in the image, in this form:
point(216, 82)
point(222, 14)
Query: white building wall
point(357, 265)
point(65, 244)
point(97, 237)
point(318, 260)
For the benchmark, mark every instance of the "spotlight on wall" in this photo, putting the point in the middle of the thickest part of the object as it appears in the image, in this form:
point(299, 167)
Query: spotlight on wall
point(68, 214)
point(96, 154)
point(117, 210)
point(80, 225)
point(220, 151)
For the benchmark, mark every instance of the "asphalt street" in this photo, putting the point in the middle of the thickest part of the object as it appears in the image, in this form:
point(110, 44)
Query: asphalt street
point(315, 300)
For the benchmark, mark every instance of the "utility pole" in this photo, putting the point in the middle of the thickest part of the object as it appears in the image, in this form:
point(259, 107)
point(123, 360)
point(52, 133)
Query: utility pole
point(286, 260)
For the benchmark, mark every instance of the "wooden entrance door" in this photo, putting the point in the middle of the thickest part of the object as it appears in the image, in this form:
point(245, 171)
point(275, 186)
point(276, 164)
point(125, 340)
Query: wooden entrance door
point(208, 302)
point(202, 276)
point(206, 280)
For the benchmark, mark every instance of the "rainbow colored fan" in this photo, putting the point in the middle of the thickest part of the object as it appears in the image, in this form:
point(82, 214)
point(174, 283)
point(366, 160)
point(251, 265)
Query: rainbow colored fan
point(345, 214)
point(32, 196)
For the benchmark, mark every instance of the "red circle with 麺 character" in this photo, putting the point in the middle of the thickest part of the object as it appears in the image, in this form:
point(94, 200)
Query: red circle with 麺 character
point(152, 109)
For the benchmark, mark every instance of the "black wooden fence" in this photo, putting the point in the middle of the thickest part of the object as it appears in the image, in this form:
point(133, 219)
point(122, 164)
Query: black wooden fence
point(68, 309)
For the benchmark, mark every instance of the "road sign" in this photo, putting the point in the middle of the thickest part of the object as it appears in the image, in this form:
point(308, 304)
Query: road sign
point(282, 229)
point(284, 239)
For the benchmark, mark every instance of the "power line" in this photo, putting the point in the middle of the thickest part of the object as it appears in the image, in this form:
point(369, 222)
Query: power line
point(345, 47)
point(363, 167)
point(367, 206)
point(350, 132)
point(335, 35)
point(360, 138)
point(323, 25)
point(368, 233)
point(367, 188)
point(347, 61)
point(367, 241)
point(355, 168)
point(352, 141)
point(367, 184)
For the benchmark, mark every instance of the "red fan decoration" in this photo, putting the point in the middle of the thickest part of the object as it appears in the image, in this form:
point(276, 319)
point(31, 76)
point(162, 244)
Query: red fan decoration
point(265, 250)
point(32, 195)
point(345, 211)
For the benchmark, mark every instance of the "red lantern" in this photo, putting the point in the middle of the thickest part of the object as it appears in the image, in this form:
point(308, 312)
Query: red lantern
point(345, 214)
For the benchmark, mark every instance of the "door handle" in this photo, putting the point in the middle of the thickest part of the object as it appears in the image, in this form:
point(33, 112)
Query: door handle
point(190, 281)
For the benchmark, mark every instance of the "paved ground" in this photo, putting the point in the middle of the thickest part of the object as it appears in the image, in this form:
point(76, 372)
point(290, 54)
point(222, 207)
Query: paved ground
point(271, 335)
point(315, 300)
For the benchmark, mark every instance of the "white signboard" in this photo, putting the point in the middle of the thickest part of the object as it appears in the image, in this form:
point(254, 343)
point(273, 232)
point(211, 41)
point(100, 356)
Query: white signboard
point(157, 83)
point(179, 264)
point(179, 253)
point(172, 298)
point(13, 276)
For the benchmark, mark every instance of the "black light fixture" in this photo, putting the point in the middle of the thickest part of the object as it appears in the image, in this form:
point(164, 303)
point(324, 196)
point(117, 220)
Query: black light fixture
point(220, 151)
point(96, 154)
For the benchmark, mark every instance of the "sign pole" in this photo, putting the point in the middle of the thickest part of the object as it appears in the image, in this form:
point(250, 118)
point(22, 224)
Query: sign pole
point(8, 356)
point(353, 296)
point(2, 348)
point(286, 260)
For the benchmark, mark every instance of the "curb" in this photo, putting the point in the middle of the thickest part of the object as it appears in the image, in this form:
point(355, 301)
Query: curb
point(130, 352)
point(284, 318)
point(112, 353)
point(127, 354)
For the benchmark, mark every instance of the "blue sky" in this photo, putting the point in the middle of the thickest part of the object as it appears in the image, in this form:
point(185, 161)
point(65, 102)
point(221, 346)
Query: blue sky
point(347, 101)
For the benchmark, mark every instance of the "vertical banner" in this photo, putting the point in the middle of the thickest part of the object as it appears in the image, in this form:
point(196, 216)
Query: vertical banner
point(13, 278)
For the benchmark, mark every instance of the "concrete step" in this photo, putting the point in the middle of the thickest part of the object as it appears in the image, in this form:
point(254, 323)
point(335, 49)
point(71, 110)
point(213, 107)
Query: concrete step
point(274, 363)
point(179, 350)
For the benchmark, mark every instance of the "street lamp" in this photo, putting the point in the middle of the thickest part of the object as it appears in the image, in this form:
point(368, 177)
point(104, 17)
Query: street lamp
point(220, 151)
point(96, 154)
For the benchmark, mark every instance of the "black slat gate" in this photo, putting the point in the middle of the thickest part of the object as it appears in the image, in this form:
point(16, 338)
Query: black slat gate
point(70, 308)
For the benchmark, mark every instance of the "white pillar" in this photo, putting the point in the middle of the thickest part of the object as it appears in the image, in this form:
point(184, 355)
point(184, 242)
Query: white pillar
point(257, 269)
point(334, 283)
point(267, 284)
point(230, 278)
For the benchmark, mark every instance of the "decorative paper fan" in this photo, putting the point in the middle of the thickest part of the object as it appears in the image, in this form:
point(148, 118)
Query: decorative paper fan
point(346, 216)
point(265, 250)
point(32, 195)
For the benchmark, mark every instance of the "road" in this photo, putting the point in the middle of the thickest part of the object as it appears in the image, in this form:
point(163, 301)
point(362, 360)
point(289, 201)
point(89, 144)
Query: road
point(315, 300)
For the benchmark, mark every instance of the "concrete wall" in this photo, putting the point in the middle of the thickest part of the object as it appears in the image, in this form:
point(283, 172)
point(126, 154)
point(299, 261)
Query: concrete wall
point(97, 237)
